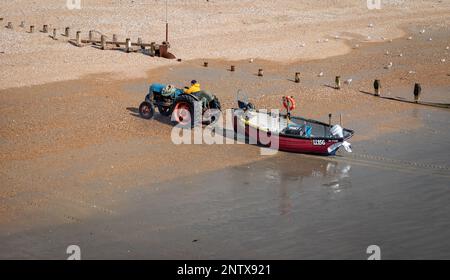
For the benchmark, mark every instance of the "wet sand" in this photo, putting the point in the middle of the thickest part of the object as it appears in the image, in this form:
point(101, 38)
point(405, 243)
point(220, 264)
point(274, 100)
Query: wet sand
point(286, 207)
point(79, 167)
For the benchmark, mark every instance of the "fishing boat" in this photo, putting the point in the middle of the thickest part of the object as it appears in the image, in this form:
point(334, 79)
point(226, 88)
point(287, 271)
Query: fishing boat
point(290, 134)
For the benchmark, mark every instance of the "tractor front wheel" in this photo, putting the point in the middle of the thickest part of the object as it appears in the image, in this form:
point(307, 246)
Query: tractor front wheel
point(146, 110)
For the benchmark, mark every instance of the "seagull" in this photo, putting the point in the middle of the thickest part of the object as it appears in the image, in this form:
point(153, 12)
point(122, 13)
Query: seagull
point(422, 31)
point(348, 81)
point(320, 74)
point(336, 37)
point(443, 60)
point(389, 66)
point(251, 60)
point(370, 25)
point(447, 48)
point(401, 55)
point(302, 45)
point(326, 40)
point(411, 72)
point(369, 38)
point(356, 46)
point(386, 53)
point(431, 39)
point(409, 38)
point(390, 40)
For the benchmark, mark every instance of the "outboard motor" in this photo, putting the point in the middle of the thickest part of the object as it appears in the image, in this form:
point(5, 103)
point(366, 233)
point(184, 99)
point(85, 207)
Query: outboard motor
point(338, 131)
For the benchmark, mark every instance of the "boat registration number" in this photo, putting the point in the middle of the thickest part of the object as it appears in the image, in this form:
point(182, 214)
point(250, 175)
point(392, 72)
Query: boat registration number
point(318, 142)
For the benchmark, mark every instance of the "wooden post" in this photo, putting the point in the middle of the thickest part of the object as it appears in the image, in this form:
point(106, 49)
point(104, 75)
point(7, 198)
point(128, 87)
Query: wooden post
point(54, 34)
point(67, 32)
point(260, 73)
point(329, 119)
point(377, 87)
point(338, 82)
point(91, 35)
point(115, 40)
point(10, 25)
point(45, 28)
point(340, 119)
point(205, 64)
point(140, 42)
point(232, 69)
point(297, 77)
point(79, 38)
point(128, 45)
point(417, 92)
point(31, 28)
point(103, 39)
point(152, 49)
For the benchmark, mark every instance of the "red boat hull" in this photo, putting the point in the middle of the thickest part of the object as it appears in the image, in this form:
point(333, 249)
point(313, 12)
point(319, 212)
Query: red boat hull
point(319, 146)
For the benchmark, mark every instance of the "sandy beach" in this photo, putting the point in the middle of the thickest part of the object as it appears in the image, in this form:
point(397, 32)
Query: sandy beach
point(75, 155)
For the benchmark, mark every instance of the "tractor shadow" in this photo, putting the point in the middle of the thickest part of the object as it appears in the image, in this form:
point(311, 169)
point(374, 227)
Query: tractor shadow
point(157, 117)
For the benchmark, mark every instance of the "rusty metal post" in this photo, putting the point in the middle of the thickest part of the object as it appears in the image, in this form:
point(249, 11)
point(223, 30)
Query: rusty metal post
point(167, 32)
point(54, 34)
point(297, 77)
point(67, 32)
point(205, 64)
point(329, 119)
point(31, 28)
point(260, 73)
point(45, 28)
point(91, 35)
point(232, 68)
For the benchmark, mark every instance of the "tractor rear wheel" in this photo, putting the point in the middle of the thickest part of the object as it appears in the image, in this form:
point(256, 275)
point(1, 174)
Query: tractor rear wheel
point(187, 112)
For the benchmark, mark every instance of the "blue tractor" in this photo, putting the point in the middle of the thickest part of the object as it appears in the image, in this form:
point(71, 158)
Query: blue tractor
point(185, 109)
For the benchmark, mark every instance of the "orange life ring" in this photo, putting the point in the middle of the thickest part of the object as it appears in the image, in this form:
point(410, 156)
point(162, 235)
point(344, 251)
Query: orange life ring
point(288, 103)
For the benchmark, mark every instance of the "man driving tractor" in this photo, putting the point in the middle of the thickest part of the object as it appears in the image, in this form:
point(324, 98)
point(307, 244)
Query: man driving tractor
point(195, 87)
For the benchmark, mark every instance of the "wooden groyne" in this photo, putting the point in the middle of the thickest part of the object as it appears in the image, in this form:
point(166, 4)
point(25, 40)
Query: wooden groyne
point(149, 48)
